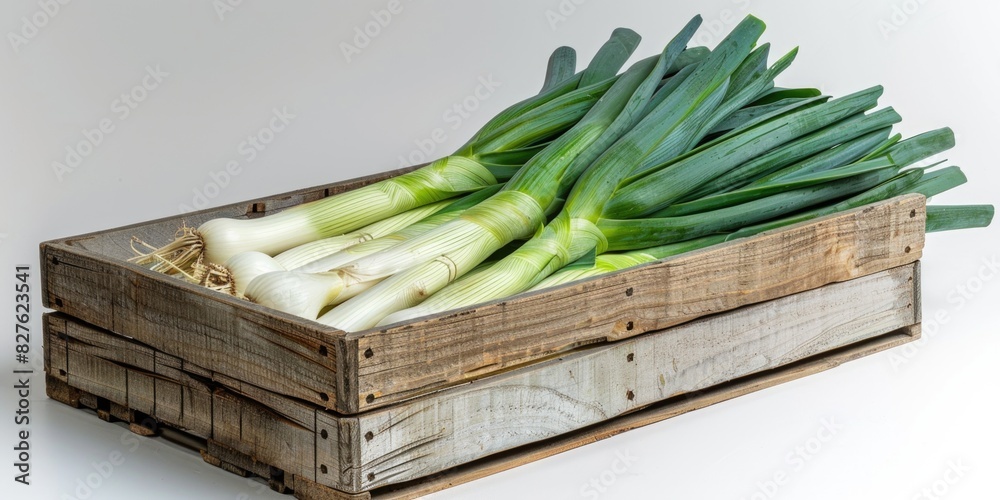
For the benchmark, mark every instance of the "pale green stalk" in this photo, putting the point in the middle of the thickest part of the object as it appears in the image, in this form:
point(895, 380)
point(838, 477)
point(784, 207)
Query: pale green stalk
point(530, 122)
point(433, 261)
point(299, 256)
point(611, 262)
point(667, 129)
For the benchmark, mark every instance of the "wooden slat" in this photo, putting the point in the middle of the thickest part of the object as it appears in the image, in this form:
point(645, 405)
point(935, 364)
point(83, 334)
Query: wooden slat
point(96, 365)
point(471, 342)
point(465, 423)
point(307, 489)
point(653, 414)
point(208, 329)
point(433, 433)
point(87, 278)
point(266, 436)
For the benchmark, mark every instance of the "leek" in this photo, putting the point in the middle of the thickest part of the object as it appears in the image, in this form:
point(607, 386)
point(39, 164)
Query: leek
point(535, 120)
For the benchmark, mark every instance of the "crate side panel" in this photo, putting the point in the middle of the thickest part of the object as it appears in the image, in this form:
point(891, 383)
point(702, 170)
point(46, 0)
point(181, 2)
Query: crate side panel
point(188, 403)
point(230, 336)
point(646, 416)
point(254, 430)
point(433, 433)
point(471, 342)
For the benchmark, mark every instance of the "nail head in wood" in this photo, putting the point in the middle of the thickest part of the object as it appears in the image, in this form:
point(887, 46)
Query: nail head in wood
point(369, 352)
point(323, 469)
point(629, 326)
point(369, 436)
point(630, 357)
point(630, 395)
point(370, 398)
point(323, 434)
point(323, 351)
point(628, 292)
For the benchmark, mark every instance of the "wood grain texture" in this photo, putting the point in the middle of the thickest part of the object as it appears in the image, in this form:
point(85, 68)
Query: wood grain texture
point(437, 432)
point(307, 489)
point(433, 433)
point(646, 416)
point(280, 433)
point(475, 341)
point(87, 278)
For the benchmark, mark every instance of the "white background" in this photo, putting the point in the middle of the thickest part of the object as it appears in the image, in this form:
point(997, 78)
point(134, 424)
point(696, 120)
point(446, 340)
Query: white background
point(904, 416)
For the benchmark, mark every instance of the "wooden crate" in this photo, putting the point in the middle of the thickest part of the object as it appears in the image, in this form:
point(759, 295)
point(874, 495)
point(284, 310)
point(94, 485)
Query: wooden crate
point(487, 425)
point(87, 277)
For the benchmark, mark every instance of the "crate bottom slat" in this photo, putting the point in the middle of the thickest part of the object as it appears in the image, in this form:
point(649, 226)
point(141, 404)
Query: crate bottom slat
point(294, 442)
point(279, 480)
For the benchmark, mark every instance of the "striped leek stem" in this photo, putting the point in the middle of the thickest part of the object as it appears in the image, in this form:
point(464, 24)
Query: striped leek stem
point(725, 212)
point(678, 121)
point(654, 190)
point(938, 219)
point(535, 120)
point(641, 233)
point(240, 269)
point(304, 254)
point(524, 270)
point(428, 263)
point(798, 150)
point(841, 154)
point(269, 286)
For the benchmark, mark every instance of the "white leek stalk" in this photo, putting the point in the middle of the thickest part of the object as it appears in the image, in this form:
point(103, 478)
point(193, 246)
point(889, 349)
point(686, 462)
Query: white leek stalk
point(302, 255)
point(217, 240)
point(243, 267)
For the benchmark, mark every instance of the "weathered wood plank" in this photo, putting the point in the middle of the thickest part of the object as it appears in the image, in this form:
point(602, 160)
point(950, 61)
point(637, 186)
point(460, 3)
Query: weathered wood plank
point(436, 432)
point(265, 436)
point(310, 490)
point(474, 341)
point(242, 340)
point(433, 433)
point(646, 416)
point(56, 362)
point(338, 451)
point(96, 376)
point(187, 402)
point(87, 278)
